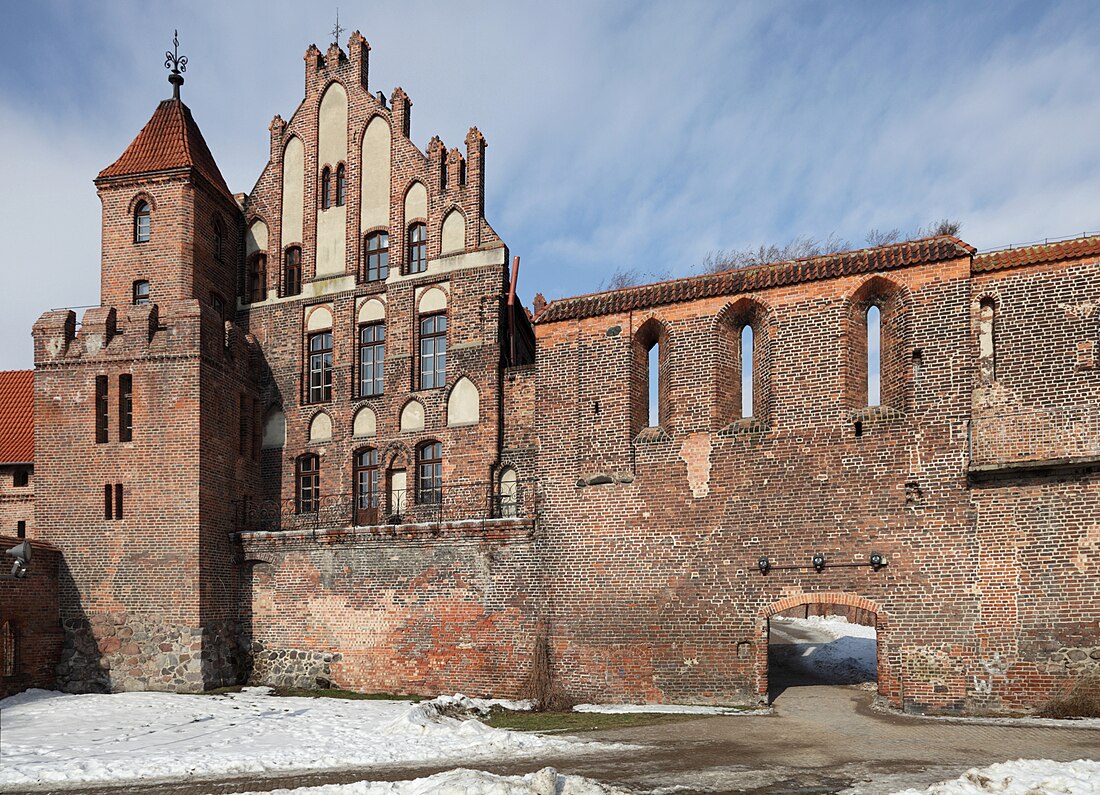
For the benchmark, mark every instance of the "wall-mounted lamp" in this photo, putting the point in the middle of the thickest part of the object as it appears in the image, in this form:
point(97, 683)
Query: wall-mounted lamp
point(763, 564)
point(22, 554)
point(819, 562)
point(877, 561)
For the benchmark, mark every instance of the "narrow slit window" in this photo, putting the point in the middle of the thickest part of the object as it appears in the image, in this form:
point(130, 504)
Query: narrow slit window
point(341, 185)
point(326, 188)
point(653, 364)
point(125, 407)
point(987, 340)
point(102, 409)
point(257, 279)
point(118, 500)
point(748, 354)
point(874, 356)
point(292, 272)
point(108, 502)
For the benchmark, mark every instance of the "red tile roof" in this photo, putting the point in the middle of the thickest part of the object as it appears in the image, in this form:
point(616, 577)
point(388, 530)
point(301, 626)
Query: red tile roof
point(169, 140)
point(1034, 255)
point(692, 288)
point(17, 417)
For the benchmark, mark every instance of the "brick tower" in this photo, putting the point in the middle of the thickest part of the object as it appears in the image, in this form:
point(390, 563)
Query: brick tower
point(148, 425)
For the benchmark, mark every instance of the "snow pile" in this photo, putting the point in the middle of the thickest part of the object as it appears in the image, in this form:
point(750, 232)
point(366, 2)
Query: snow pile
point(845, 653)
point(1022, 777)
point(668, 709)
point(54, 738)
point(466, 782)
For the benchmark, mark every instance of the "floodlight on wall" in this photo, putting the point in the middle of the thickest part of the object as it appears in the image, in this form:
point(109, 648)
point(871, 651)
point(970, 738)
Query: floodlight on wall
point(763, 564)
point(877, 561)
point(819, 562)
point(22, 554)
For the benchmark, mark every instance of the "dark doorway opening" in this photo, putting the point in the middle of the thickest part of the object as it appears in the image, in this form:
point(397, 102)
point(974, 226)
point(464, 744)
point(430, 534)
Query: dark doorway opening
point(822, 644)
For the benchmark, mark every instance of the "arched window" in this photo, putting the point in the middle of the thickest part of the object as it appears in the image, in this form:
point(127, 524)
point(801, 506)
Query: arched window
point(365, 478)
point(376, 253)
point(748, 364)
point(292, 271)
point(320, 367)
point(874, 355)
point(649, 400)
point(372, 358)
point(257, 278)
point(987, 340)
point(141, 292)
point(653, 380)
point(341, 185)
point(509, 493)
point(307, 492)
point(429, 474)
point(433, 350)
point(219, 236)
point(142, 222)
point(326, 188)
point(418, 248)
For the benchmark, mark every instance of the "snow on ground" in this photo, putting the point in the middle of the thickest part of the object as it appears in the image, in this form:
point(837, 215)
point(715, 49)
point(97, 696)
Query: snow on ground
point(670, 709)
point(57, 739)
point(1022, 777)
point(847, 654)
point(467, 782)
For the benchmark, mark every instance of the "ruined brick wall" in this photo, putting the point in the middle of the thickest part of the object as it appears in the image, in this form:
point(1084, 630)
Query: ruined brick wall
point(394, 610)
point(30, 624)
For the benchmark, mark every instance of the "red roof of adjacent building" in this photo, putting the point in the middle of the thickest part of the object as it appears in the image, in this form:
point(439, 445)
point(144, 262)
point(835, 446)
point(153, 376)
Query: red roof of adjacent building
point(16, 417)
point(692, 288)
point(1059, 251)
point(169, 140)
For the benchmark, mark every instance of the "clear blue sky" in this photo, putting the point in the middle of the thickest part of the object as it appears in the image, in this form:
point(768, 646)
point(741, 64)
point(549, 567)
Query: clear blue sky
point(620, 134)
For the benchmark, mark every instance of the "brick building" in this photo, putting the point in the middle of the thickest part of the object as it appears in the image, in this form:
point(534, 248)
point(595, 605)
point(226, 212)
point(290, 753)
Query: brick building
point(310, 437)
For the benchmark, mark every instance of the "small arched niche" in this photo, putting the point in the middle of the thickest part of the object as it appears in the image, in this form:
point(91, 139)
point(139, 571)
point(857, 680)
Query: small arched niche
point(463, 404)
point(416, 202)
point(319, 318)
point(372, 311)
point(432, 300)
point(255, 239)
point(365, 424)
point(412, 417)
point(320, 428)
point(274, 429)
point(453, 237)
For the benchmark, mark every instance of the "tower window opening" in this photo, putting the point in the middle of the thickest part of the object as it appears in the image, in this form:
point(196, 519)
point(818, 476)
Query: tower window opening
point(326, 188)
point(341, 185)
point(874, 354)
point(142, 222)
point(748, 354)
point(653, 364)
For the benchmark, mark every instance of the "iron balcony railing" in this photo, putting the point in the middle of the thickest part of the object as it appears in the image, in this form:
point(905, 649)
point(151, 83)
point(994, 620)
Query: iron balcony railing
point(448, 503)
point(1035, 435)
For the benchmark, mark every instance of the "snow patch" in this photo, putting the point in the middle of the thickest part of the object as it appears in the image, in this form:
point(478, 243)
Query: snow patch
point(1022, 777)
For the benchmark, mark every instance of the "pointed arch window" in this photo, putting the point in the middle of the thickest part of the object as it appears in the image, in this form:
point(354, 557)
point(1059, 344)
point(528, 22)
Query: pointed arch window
point(142, 222)
point(341, 185)
point(429, 473)
point(366, 479)
point(326, 188)
point(874, 355)
point(376, 250)
point(418, 248)
point(219, 240)
point(292, 271)
point(650, 394)
point(748, 370)
point(307, 479)
point(257, 278)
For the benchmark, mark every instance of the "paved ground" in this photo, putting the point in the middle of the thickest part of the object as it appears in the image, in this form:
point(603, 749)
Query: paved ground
point(822, 738)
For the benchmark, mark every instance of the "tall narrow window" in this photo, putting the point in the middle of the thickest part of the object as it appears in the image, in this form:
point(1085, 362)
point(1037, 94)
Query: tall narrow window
point(307, 484)
point(372, 355)
point(102, 409)
point(341, 185)
point(747, 380)
point(292, 272)
point(429, 474)
point(366, 481)
point(142, 222)
point(433, 351)
point(141, 292)
point(257, 278)
point(118, 500)
point(653, 365)
point(874, 354)
point(219, 236)
point(108, 502)
point(21, 529)
point(376, 249)
point(987, 340)
point(125, 407)
point(418, 248)
point(320, 367)
point(326, 188)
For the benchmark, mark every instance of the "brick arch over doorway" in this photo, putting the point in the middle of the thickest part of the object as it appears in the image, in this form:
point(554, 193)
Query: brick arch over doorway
point(888, 683)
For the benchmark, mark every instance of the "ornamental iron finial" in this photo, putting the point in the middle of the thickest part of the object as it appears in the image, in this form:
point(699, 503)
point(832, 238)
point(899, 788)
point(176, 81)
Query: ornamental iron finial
point(177, 63)
point(337, 30)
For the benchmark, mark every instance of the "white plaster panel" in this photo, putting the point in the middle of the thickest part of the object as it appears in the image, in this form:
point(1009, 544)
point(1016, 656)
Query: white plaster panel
point(320, 318)
point(332, 231)
point(412, 416)
point(416, 202)
point(464, 404)
point(432, 300)
point(332, 128)
point(256, 238)
point(372, 311)
point(294, 188)
point(375, 184)
point(365, 423)
point(453, 238)
point(320, 428)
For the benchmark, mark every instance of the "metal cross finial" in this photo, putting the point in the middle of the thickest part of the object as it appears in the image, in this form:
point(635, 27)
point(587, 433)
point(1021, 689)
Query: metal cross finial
point(177, 63)
point(337, 30)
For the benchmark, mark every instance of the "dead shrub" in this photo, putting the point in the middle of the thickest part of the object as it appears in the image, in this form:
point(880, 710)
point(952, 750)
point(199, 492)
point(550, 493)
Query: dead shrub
point(1080, 700)
point(545, 694)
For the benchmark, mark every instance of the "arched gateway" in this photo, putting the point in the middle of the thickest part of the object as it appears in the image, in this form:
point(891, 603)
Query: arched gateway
point(887, 667)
